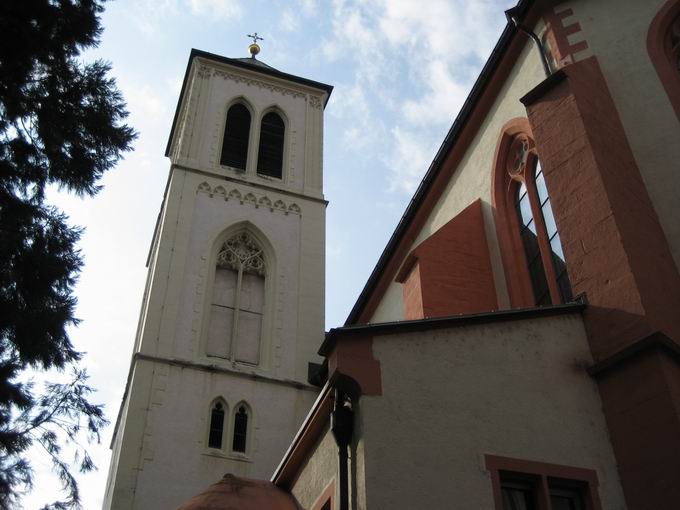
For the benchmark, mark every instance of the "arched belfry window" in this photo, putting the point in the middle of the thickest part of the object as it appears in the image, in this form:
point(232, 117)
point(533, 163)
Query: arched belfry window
point(236, 311)
point(663, 46)
point(270, 152)
point(216, 429)
point(240, 438)
point(533, 258)
point(236, 135)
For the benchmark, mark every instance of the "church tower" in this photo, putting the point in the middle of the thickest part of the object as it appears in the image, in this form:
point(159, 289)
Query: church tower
point(233, 310)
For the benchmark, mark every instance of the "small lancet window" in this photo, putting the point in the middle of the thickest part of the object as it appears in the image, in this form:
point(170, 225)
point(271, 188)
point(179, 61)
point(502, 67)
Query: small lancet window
point(270, 153)
point(237, 307)
point(236, 135)
point(240, 430)
point(216, 426)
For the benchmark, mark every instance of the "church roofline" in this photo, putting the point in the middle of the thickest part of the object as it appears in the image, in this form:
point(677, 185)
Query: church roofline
point(452, 321)
point(452, 139)
point(315, 424)
point(258, 67)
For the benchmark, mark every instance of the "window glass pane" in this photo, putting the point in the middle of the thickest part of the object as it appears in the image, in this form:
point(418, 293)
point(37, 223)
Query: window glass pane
point(517, 498)
point(236, 134)
point(565, 287)
point(219, 331)
point(216, 426)
point(270, 153)
point(550, 224)
point(539, 282)
point(240, 430)
point(224, 287)
point(540, 184)
point(556, 247)
point(248, 337)
point(530, 242)
point(566, 500)
point(252, 293)
point(524, 208)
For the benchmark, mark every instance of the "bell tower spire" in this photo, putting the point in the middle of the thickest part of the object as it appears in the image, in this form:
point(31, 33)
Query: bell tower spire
point(233, 311)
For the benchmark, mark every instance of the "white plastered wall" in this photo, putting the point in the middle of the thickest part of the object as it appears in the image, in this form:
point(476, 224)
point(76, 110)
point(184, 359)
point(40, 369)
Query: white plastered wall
point(616, 32)
point(160, 457)
point(517, 389)
point(473, 179)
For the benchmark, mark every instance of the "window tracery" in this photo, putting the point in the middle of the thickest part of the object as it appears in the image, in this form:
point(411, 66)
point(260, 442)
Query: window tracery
point(544, 257)
point(237, 307)
point(531, 250)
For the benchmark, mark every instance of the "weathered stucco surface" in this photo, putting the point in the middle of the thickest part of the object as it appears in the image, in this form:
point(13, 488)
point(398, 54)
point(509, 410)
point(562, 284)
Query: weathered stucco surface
point(652, 128)
point(320, 470)
point(516, 389)
point(160, 456)
point(472, 179)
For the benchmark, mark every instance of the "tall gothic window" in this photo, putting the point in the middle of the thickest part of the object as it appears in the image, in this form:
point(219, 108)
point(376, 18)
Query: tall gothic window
point(541, 242)
point(531, 249)
point(270, 153)
point(240, 439)
point(216, 430)
point(236, 134)
point(237, 307)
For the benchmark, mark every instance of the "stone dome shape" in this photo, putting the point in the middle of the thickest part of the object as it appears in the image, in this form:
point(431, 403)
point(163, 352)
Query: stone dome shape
point(236, 493)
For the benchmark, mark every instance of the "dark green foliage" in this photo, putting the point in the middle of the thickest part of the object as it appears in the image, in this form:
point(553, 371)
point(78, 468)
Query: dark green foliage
point(60, 125)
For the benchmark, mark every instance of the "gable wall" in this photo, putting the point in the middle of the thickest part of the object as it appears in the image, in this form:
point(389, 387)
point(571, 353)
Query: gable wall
point(616, 33)
point(451, 396)
point(472, 179)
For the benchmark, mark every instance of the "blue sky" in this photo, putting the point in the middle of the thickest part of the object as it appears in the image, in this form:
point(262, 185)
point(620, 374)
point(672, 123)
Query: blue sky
point(401, 70)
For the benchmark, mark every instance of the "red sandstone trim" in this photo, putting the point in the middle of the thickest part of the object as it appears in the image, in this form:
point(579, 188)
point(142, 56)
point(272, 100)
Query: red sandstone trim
point(659, 53)
point(557, 36)
point(588, 477)
point(328, 495)
point(452, 272)
point(507, 225)
point(492, 87)
point(353, 357)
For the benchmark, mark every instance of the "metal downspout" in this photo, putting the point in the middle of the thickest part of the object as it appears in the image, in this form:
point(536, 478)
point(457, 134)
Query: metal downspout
point(342, 419)
point(512, 18)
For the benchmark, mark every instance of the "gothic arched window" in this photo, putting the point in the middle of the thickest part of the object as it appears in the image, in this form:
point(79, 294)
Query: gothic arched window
point(270, 153)
point(216, 429)
point(237, 307)
point(236, 135)
point(240, 439)
point(663, 46)
point(534, 262)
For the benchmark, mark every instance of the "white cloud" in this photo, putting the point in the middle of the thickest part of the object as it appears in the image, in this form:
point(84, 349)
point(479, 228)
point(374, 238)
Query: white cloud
point(309, 7)
point(409, 160)
point(289, 22)
point(443, 97)
point(216, 9)
point(436, 49)
point(149, 15)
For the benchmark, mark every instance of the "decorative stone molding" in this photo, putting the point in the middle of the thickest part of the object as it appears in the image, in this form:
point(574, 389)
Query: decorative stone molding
point(249, 198)
point(242, 252)
point(314, 101)
point(284, 91)
point(204, 71)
